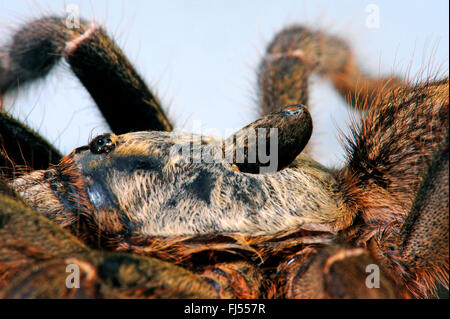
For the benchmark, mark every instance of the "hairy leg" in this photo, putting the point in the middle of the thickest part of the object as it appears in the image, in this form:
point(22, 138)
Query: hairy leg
point(34, 254)
point(394, 178)
point(120, 93)
point(338, 271)
point(418, 251)
point(21, 148)
point(296, 53)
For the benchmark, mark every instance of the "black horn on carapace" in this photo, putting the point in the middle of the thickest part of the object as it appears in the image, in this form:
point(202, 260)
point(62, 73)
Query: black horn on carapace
point(286, 132)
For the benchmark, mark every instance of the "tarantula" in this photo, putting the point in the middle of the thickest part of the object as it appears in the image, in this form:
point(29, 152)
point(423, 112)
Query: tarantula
point(143, 212)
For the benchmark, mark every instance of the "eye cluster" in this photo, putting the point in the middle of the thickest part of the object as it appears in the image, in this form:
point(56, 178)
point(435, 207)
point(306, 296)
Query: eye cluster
point(104, 143)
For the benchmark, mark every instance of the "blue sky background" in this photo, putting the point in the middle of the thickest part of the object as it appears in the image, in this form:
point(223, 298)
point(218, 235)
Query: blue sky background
point(200, 56)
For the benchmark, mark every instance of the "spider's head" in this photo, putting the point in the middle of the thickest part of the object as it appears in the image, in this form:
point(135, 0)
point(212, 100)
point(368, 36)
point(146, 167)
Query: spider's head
point(169, 184)
point(147, 180)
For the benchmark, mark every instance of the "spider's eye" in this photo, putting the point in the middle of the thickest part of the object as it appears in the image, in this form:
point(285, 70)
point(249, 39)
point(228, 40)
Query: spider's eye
point(102, 144)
